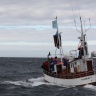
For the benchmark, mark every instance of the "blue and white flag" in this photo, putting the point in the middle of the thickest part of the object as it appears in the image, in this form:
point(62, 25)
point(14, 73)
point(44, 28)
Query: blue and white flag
point(54, 24)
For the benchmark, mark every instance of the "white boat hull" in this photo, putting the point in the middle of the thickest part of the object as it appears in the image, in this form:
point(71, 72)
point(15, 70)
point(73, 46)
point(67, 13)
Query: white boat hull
point(71, 82)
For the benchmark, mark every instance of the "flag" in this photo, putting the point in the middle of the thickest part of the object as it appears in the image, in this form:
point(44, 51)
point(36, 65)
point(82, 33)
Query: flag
point(57, 40)
point(54, 24)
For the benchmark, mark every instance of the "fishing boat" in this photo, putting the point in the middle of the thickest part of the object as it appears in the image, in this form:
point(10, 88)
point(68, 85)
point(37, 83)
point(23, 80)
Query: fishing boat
point(71, 70)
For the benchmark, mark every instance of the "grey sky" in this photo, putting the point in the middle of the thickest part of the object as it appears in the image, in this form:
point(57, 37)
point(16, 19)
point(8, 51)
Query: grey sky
point(25, 25)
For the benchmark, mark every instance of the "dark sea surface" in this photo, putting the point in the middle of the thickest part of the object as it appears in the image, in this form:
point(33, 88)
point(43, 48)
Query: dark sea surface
point(24, 77)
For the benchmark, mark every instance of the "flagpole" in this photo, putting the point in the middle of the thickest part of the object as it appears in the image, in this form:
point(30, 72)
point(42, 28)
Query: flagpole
point(60, 45)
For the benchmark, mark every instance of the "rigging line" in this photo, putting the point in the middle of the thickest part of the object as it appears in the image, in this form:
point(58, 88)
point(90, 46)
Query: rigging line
point(84, 27)
point(55, 51)
point(72, 10)
point(85, 32)
point(78, 8)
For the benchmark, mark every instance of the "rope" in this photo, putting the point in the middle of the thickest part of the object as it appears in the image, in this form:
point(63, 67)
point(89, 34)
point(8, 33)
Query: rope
point(72, 10)
point(78, 8)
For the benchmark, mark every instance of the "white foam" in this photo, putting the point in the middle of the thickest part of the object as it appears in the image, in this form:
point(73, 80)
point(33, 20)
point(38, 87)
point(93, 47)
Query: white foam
point(30, 82)
point(91, 87)
point(33, 82)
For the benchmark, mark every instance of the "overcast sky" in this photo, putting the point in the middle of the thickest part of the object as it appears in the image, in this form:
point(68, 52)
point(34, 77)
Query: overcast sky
point(25, 26)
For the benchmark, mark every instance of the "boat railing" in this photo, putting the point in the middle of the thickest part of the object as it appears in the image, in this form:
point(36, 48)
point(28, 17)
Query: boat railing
point(69, 75)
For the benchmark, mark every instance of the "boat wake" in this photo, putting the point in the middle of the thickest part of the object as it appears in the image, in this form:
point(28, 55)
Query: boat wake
point(91, 87)
point(40, 81)
point(29, 82)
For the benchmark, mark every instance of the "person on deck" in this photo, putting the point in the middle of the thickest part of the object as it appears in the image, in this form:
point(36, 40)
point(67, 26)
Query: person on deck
point(65, 62)
point(55, 60)
point(50, 64)
point(81, 53)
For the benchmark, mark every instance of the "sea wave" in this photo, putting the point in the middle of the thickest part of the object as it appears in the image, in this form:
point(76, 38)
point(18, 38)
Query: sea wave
point(33, 82)
point(29, 82)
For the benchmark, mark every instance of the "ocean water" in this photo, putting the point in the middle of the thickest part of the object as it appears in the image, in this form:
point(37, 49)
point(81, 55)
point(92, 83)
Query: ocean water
point(24, 77)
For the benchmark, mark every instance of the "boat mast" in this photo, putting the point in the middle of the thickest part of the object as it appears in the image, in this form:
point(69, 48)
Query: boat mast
point(59, 41)
point(83, 39)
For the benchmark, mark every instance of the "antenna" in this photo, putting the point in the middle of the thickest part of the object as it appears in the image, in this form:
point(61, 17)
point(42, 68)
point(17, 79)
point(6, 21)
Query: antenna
point(89, 26)
point(76, 26)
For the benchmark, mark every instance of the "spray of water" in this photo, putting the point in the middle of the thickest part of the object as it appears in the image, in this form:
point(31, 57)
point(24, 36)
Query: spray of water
point(91, 87)
point(32, 82)
point(29, 82)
